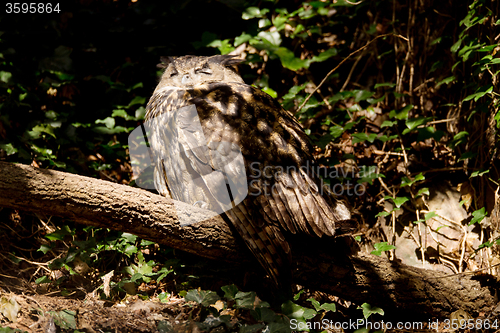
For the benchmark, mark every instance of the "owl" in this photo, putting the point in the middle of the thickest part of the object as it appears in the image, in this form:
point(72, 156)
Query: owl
point(211, 117)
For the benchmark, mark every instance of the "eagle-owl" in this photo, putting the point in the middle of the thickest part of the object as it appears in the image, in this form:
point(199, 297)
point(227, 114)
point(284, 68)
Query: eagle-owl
point(284, 193)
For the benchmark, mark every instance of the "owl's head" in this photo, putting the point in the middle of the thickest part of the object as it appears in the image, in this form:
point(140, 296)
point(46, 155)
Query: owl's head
point(189, 71)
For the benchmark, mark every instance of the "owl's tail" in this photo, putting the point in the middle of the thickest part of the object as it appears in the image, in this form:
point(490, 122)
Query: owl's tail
point(267, 244)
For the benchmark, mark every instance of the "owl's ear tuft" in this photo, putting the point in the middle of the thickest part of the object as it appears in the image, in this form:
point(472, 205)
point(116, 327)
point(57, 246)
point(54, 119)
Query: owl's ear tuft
point(165, 61)
point(225, 59)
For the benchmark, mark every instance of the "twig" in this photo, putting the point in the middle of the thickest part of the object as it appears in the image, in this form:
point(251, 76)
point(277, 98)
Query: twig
point(340, 64)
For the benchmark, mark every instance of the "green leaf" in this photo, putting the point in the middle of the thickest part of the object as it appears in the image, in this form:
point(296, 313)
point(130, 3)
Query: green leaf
point(443, 226)
point(458, 139)
point(264, 22)
point(297, 295)
point(205, 298)
point(388, 123)
point(43, 279)
point(279, 22)
point(336, 131)
point(398, 201)
point(402, 114)
point(446, 81)
point(429, 132)
point(381, 247)
point(324, 55)
point(271, 37)
point(309, 313)
point(266, 315)
point(405, 181)
point(415, 122)
point(42, 128)
point(361, 95)
point(225, 47)
point(289, 60)
point(315, 303)
point(383, 214)
point(45, 248)
point(270, 92)
point(59, 234)
point(230, 291)
point(423, 191)
point(324, 140)
point(387, 84)
point(479, 173)
point(368, 310)
point(243, 38)
point(65, 319)
point(430, 215)
point(137, 100)
point(109, 122)
point(292, 310)
point(329, 307)
point(253, 12)
point(361, 137)
point(8, 148)
point(478, 216)
point(385, 138)
point(245, 300)
point(480, 93)
point(6, 77)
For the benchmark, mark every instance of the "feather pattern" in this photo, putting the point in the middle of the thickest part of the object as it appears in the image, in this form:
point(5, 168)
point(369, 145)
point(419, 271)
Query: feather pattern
point(237, 118)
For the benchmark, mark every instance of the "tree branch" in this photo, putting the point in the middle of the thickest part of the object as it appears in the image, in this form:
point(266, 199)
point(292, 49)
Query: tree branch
point(359, 278)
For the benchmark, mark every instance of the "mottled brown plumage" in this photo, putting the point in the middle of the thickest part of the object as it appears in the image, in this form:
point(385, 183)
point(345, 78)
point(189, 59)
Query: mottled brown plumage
point(284, 193)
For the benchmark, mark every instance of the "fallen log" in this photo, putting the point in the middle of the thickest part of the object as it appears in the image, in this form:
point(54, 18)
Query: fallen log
point(359, 278)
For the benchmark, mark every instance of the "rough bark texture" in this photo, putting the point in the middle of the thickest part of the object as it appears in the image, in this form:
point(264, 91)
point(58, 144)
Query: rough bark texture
point(408, 291)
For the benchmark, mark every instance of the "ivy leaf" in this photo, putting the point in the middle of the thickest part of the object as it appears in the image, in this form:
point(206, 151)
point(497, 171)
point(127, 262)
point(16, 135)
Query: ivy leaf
point(387, 84)
point(398, 201)
point(272, 37)
point(458, 139)
point(230, 291)
point(329, 307)
point(402, 114)
point(415, 122)
point(245, 300)
point(382, 247)
point(315, 303)
point(388, 123)
point(368, 310)
point(203, 297)
point(289, 60)
point(405, 181)
point(109, 122)
point(252, 12)
point(478, 216)
point(243, 38)
point(8, 148)
point(480, 93)
point(324, 55)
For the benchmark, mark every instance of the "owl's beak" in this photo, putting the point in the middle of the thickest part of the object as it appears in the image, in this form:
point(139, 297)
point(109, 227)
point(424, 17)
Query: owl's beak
point(186, 79)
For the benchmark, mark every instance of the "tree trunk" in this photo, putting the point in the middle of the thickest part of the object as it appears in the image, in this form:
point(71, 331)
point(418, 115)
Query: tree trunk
point(359, 278)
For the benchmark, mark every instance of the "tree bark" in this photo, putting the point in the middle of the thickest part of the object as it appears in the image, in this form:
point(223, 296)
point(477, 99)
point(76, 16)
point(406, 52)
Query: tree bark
point(408, 291)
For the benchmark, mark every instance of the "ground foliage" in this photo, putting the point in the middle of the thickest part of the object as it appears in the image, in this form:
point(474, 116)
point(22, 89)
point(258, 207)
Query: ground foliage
point(397, 94)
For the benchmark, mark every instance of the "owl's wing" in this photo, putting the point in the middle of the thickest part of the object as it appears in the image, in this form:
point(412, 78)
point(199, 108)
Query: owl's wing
point(278, 156)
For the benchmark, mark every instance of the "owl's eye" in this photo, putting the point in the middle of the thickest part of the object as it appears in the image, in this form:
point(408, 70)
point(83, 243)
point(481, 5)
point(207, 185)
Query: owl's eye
point(174, 73)
point(203, 70)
